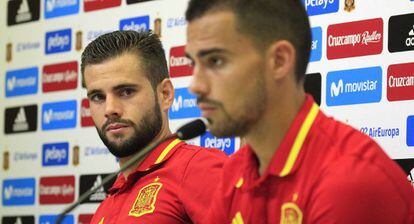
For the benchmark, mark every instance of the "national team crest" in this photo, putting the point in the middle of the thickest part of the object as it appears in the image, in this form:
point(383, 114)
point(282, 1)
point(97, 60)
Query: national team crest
point(145, 202)
point(291, 214)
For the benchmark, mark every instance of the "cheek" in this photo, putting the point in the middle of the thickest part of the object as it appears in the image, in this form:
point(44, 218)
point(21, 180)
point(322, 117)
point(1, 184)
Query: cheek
point(97, 114)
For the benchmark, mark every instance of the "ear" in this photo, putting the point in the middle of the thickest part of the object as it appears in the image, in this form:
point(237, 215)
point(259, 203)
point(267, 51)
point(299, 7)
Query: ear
point(282, 59)
point(165, 91)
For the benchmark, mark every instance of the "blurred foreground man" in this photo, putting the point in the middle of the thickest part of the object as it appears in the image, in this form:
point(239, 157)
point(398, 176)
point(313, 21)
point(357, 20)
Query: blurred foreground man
point(126, 76)
point(298, 166)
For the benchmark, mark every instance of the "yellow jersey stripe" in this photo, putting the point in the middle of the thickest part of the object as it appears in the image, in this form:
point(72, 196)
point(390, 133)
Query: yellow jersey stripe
point(237, 219)
point(300, 138)
point(167, 150)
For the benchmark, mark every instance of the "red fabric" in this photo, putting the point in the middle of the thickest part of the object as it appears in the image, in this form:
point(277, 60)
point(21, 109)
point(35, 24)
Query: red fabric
point(185, 181)
point(341, 176)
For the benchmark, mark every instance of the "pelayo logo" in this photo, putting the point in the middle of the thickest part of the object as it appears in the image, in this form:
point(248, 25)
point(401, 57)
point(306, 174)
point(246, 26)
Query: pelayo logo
point(58, 41)
point(227, 145)
point(318, 7)
point(138, 24)
point(55, 154)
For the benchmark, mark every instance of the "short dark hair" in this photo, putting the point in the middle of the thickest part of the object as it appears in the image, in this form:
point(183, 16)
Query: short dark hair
point(265, 21)
point(145, 45)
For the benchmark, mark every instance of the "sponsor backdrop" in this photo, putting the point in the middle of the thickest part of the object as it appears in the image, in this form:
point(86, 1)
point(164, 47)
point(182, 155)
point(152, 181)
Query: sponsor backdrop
point(361, 71)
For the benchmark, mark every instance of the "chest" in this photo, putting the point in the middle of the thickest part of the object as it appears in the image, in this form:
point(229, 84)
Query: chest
point(152, 198)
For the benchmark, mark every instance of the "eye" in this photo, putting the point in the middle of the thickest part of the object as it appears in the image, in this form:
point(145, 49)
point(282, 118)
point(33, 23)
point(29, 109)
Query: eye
point(126, 92)
point(215, 61)
point(97, 98)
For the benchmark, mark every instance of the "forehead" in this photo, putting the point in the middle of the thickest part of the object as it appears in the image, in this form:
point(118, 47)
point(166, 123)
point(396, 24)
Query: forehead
point(124, 68)
point(214, 30)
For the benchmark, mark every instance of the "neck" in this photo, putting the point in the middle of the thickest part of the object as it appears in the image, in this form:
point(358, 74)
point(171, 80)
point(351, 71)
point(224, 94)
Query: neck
point(163, 134)
point(277, 118)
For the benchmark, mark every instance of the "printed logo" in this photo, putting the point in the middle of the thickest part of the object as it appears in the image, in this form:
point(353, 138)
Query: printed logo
point(27, 46)
point(86, 118)
point(354, 86)
point(400, 82)
point(62, 76)
point(78, 40)
point(176, 22)
point(410, 130)
point(354, 39)
point(24, 156)
point(21, 82)
point(19, 191)
point(55, 154)
point(316, 50)
point(49, 219)
point(57, 190)
point(56, 8)
point(9, 52)
point(20, 119)
point(145, 201)
point(349, 5)
point(18, 220)
point(313, 84)
point(137, 1)
point(184, 105)
point(93, 34)
point(96, 151)
point(401, 33)
point(380, 132)
point(6, 160)
point(227, 145)
point(408, 166)
point(58, 41)
point(93, 181)
point(291, 214)
point(138, 24)
point(318, 7)
point(92, 5)
point(75, 155)
point(22, 11)
point(158, 27)
point(180, 65)
point(85, 218)
point(59, 115)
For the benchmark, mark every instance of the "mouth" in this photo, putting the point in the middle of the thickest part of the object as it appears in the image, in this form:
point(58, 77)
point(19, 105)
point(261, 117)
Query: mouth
point(116, 128)
point(207, 109)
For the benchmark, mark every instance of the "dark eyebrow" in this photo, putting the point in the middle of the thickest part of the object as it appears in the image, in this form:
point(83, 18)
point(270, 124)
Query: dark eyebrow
point(122, 86)
point(204, 53)
point(94, 91)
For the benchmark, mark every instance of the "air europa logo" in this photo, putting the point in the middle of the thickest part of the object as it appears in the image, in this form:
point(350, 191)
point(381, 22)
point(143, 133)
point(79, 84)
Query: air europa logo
point(400, 82)
point(355, 39)
point(184, 105)
point(58, 41)
point(317, 7)
point(21, 82)
point(180, 65)
point(59, 115)
point(62, 76)
point(354, 86)
point(138, 24)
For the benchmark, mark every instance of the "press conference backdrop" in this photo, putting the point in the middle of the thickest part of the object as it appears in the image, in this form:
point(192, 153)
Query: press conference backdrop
point(361, 71)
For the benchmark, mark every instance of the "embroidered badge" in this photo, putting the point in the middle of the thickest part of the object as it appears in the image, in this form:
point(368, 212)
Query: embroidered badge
point(349, 5)
point(291, 214)
point(145, 201)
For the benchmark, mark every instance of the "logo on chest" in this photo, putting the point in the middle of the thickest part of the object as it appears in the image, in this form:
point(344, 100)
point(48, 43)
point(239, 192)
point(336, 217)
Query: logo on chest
point(145, 201)
point(291, 214)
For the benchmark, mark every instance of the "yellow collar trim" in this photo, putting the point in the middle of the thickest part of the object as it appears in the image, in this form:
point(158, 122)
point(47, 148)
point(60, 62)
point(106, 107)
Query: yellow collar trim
point(300, 138)
point(167, 150)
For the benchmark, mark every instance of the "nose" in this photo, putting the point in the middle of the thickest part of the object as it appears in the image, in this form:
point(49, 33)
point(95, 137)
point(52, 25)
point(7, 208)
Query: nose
point(199, 83)
point(112, 107)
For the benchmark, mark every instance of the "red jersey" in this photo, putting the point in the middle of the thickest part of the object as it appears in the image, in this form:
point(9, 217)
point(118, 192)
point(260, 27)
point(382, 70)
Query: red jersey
point(172, 185)
point(322, 172)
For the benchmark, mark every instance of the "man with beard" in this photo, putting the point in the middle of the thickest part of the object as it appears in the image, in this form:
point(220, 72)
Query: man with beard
point(298, 165)
point(129, 90)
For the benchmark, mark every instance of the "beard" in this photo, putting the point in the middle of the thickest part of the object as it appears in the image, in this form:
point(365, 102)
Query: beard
point(248, 113)
point(144, 132)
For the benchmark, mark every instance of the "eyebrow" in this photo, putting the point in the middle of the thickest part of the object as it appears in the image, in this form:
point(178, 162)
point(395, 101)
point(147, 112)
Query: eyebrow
point(116, 88)
point(204, 53)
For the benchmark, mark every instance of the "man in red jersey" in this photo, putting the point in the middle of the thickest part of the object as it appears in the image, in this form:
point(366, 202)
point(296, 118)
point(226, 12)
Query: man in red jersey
point(127, 82)
point(298, 166)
